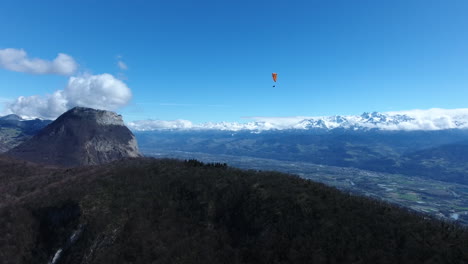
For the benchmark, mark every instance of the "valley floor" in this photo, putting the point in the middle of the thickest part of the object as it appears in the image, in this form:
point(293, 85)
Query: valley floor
point(441, 199)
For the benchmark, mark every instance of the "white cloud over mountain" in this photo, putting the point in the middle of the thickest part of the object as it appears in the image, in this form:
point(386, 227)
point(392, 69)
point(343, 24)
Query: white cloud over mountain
point(432, 119)
point(102, 91)
point(145, 125)
point(18, 60)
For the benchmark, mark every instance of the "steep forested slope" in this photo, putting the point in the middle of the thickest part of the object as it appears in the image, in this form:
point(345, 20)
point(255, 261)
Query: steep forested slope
point(168, 211)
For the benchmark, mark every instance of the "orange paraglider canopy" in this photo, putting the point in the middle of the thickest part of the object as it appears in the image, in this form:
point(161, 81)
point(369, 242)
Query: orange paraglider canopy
point(274, 75)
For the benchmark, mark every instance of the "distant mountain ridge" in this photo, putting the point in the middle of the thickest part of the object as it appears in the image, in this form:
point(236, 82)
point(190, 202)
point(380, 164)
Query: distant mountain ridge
point(11, 117)
point(432, 119)
point(14, 130)
point(81, 136)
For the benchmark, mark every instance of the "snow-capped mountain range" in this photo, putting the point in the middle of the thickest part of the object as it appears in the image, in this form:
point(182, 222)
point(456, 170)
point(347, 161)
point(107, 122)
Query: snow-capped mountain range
point(432, 119)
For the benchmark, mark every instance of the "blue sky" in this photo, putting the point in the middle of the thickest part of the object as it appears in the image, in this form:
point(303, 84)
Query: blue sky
point(212, 60)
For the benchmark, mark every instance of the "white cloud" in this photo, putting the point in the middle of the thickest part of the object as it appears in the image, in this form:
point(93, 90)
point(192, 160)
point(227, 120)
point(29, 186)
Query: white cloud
point(34, 106)
point(97, 91)
point(433, 119)
point(145, 125)
point(3, 103)
point(102, 91)
point(122, 65)
point(17, 60)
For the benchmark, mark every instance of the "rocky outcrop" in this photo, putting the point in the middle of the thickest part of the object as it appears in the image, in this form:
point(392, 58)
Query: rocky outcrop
point(81, 136)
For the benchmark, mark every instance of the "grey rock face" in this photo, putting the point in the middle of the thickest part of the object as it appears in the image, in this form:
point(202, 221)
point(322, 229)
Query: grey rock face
point(102, 117)
point(81, 136)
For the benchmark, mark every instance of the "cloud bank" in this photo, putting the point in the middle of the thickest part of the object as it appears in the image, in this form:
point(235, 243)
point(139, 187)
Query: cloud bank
point(102, 91)
point(17, 60)
point(432, 119)
point(146, 125)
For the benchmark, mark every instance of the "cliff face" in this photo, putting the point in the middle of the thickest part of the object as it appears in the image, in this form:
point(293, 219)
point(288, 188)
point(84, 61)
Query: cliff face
point(81, 136)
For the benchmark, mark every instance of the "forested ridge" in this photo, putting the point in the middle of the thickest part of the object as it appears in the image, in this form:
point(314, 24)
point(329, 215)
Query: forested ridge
point(168, 211)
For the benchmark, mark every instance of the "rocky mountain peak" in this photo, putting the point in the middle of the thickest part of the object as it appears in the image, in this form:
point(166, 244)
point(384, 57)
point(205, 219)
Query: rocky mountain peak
point(80, 136)
point(101, 117)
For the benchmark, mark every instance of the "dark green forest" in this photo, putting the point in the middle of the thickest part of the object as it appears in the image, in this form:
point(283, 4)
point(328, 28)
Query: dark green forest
point(168, 211)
